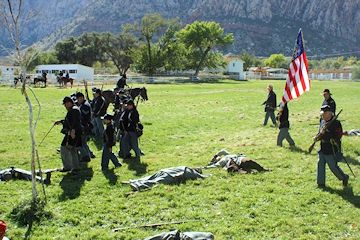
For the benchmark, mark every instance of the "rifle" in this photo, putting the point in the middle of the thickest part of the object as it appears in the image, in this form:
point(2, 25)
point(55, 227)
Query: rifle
point(322, 131)
point(86, 91)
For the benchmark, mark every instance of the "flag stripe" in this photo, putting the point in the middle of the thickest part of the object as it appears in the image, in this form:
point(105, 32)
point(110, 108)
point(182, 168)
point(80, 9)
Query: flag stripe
point(298, 80)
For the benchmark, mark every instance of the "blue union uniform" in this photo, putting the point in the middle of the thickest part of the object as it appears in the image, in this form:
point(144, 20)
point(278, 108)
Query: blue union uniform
point(330, 148)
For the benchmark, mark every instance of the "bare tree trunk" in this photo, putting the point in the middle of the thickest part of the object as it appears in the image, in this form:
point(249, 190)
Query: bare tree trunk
point(11, 21)
point(150, 70)
point(202, 61)
point(32, 136)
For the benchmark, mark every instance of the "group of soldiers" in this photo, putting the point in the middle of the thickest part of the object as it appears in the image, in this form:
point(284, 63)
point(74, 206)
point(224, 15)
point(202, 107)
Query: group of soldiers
point(86, 119)
point(329, 135)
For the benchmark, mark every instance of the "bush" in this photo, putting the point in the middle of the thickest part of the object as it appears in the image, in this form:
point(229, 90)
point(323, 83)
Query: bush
point(355, 73)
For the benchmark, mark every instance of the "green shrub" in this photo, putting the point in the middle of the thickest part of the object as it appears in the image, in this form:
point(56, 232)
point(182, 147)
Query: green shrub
point(355, 73)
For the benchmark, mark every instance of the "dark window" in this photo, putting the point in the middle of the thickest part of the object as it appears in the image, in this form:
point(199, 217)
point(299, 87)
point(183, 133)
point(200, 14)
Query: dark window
point(72, 71)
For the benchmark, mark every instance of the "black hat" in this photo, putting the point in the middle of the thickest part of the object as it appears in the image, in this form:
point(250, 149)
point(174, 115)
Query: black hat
point(79, 94)
point(67, 99)
point(325, 108)
point(327, 91)
point(107, 116)
point(96, 90)
point(129, 101)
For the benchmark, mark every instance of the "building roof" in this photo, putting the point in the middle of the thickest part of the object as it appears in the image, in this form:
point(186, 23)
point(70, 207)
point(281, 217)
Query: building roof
point(61, 65)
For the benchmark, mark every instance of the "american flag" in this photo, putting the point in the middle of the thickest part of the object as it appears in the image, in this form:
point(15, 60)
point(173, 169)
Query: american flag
point(297, 81)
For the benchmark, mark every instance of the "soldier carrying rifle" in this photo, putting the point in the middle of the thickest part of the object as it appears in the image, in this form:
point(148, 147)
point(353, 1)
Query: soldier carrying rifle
point(329, 135)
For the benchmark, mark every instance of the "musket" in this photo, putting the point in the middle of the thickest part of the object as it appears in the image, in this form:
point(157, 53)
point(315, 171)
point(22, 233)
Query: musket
point(349, 166)
point(42, 140)
point(86, 91)
point(322, 131)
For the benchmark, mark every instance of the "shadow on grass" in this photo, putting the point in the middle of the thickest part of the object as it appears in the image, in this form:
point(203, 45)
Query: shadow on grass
point(29, 212)
point(110, 176)
point(98, 143)
point(136, 165)
point(351, 160)
point(347, 194)
point(72, 183)
point(299, 150)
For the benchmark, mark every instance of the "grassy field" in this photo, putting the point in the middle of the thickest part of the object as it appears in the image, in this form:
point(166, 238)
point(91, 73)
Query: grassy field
point(186, 124)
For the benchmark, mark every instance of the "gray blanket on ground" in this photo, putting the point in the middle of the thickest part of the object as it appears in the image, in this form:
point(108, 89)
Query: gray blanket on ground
point(174, 175)
point(177, 235)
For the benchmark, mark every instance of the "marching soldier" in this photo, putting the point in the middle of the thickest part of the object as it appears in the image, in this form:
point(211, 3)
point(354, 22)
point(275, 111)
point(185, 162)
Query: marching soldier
point(270, 106)
point(85, 118)
point(284, 126)
point(99, 110)
point(330, 147)
point(109, 141)
point(72, 136)
point(329, 101)
point(130, 120)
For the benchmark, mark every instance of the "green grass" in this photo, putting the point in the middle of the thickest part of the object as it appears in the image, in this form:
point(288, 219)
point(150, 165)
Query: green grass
point(185, 124)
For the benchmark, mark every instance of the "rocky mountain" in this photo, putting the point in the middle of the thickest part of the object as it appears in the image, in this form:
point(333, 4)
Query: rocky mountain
point(261, 27)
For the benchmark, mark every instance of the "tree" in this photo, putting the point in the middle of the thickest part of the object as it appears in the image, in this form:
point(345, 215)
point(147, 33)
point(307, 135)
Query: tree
point(150, 26)
point(88, 49)
point(43, 58)
point(66, 51)
point(200, 37)
point(150, 29)
point(355, 73)
point(11, 13)
point(351, 61)
point(276, 61)
point(84, 50)
point(250, 60)
point(170, 52)
point(119, 49)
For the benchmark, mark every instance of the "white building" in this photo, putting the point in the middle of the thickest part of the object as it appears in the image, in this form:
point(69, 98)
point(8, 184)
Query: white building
point(236, 67)
point(7, 73)
point(76, 71)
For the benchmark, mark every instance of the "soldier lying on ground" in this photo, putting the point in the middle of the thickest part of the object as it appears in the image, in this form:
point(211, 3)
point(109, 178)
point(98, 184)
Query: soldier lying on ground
point(177, 235)
point(235, 163)
point(17, 173)
point(352, 132)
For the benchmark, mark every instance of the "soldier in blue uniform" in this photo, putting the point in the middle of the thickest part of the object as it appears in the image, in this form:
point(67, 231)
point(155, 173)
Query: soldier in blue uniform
point(329, 101)
point(270, 106)
point(85, 118)
point(284, 125)
point(72, 136)
point(109, 142)
point(330, 147)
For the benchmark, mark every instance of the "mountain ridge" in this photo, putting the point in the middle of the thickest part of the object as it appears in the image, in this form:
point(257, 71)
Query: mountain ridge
point(261, 27)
